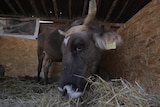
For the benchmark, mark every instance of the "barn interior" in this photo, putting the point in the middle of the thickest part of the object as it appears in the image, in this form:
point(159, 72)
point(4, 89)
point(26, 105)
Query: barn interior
point(136, 21)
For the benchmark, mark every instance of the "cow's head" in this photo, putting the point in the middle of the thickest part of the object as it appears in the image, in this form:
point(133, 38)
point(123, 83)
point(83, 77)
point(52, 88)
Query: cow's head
point(81, 53)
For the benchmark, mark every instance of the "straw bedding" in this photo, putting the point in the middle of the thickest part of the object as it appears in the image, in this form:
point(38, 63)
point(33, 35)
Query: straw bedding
point(25, 92)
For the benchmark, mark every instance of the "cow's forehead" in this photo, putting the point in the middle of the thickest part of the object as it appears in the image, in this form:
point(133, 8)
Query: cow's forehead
point(84, 35)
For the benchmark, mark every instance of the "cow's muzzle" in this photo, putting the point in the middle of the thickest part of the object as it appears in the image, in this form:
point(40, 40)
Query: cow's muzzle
point(68, 91)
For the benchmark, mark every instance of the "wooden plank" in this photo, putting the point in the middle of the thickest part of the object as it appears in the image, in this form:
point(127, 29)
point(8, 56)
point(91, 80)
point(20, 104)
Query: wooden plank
point(20, 6)
point(122, 10)
point(70, 8)
point(98, 4)
point(11, 7)
point(111, 10)
point(84, 7)
point(55, 8)
point(44, 7)
point(34, 7)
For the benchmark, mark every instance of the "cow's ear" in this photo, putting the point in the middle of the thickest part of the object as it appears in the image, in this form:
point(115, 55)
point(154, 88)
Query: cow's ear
point(61, 32)
point(108, 40)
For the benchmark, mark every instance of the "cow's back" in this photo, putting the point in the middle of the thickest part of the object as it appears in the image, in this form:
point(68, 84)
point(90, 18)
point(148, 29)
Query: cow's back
point(52, 44)
point(50, 40)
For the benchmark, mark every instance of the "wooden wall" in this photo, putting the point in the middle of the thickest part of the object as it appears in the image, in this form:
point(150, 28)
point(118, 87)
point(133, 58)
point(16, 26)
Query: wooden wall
point(18, 56)
point(138, 59)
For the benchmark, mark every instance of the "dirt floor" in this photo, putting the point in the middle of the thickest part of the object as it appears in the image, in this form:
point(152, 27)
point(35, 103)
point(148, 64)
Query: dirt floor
point(26, 92)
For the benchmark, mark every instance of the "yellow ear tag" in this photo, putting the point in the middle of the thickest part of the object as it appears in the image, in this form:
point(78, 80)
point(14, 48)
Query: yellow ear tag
point(111, 44)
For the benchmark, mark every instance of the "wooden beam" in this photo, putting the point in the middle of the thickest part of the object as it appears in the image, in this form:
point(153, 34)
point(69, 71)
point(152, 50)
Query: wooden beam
point(11, 16)
point(135, 8)
point(20, 6)
point(99, 4)
point(117, 25)
point(84, 7)
point(122, 10)
point(61, 21)
point(127, 10)
point(44, 7)
point(34, 7)
point(55, 8)
point(70, 8)
point(64, 21)
point(111, 10)
point(1, 12)
point(11, 7)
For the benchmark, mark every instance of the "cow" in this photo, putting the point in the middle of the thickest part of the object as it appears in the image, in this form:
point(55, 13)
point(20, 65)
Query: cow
point(78, 46)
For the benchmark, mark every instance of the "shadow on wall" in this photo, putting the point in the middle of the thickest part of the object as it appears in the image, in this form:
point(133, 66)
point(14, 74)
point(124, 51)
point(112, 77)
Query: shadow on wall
point(111, 65)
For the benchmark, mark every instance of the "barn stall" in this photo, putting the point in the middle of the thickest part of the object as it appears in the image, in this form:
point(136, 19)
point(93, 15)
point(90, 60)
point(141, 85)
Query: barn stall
point(136, 61)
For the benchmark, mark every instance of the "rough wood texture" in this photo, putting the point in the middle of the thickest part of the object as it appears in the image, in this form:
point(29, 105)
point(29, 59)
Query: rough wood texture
point(18, 56)
point(139, 57)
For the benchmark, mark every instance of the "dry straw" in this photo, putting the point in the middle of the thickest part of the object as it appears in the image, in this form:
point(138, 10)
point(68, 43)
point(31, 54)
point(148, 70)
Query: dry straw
point(25, 92)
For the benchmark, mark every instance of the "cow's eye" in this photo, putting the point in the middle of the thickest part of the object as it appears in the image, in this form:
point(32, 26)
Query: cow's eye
point(78, 45)
point(79, 49)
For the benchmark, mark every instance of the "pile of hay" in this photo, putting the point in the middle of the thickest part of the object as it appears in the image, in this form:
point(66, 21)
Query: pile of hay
point(25, 92)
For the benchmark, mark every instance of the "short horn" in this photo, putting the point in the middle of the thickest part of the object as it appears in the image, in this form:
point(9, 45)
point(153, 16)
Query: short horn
point(91, 12)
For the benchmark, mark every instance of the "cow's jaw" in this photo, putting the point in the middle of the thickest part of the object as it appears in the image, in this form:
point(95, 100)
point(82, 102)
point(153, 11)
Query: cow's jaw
point(71, 93)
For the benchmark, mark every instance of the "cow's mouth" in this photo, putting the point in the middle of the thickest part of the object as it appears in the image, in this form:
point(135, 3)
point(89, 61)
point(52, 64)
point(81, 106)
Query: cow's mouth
point(68, 91)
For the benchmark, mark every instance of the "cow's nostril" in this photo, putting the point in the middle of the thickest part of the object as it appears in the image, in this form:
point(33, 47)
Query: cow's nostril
point(68, 91)
point(63, 91)
point(71, 92)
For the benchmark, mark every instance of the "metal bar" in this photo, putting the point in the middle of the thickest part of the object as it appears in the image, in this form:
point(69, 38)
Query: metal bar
point(37, 28)
point(43, 21)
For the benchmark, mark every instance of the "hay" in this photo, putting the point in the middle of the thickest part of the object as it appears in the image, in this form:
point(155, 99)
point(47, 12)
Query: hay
point(25, 92)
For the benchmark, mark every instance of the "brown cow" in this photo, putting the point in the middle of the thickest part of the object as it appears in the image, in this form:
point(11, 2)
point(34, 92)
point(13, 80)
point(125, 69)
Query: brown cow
point(78, 45)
